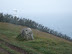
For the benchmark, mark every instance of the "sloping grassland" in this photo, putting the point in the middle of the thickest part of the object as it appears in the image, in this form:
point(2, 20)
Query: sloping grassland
point(43, 43)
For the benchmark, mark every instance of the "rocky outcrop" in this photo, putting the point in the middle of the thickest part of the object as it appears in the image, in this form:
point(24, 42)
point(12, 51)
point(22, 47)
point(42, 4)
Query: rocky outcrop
point(26, 34)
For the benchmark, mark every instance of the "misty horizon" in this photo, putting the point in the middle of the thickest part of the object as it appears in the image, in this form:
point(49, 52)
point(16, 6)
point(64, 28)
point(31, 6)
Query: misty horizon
point(55, 14)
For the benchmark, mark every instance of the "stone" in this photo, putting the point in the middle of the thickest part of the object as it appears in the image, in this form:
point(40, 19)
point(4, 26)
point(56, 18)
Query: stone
point(27, 34)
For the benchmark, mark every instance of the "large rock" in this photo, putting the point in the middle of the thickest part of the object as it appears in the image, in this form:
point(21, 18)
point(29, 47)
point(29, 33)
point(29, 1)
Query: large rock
point(27, 34)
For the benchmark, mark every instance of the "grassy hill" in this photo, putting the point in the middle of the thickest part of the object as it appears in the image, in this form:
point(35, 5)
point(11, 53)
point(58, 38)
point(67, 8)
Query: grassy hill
point(43, 43)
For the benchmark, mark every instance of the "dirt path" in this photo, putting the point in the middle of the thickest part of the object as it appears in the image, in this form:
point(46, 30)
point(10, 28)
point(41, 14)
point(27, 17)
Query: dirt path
point(18, 49)
point(3, 51)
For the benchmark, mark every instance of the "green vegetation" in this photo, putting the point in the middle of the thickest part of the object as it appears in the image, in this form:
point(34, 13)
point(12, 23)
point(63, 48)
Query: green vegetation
point(8, 49)
point(32, 24)
point(20, 38)
point(43, 43)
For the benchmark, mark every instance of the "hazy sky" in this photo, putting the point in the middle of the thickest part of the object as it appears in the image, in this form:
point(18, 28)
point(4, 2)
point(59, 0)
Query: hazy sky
point(55, 14)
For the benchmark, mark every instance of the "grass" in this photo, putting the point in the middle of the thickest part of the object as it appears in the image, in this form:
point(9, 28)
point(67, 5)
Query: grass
point(8, 49)
point(43, 43)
